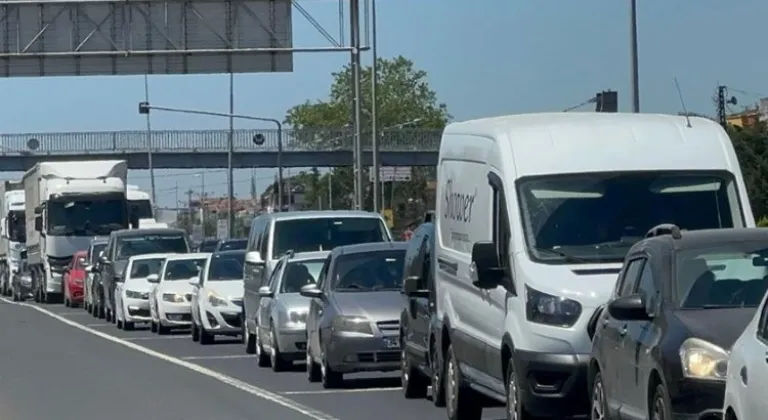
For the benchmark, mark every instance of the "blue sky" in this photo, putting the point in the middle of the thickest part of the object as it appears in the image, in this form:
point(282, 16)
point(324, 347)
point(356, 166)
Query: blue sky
point(488, 57)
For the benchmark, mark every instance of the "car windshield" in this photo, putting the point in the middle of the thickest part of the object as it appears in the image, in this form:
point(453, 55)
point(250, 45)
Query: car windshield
point(728, 275)
point(587, 218)
point(16, 228)
point(227, 266)
point(235, 244)
point(183, 269)
point(324, 234)
point(140, 209)
point(80, 216)
point(143, 268)
point(151, 244)
point(369, 271)
point(300, 273)
point(97, 248)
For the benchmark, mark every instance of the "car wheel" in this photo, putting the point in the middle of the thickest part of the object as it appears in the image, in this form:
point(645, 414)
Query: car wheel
point(275, 358)
point(414, 382)
point(461, 402)
point(328, 377)
point(128, 326)
point(102, 313)
point(249, 340)
point(206, 337)
point(313, 370)
point(598, 407)
point(660, 408)
point(262, 358)
point(107, 315)
point(119, 324)
point(438, 372)
point(195, 332)
point(153, 326)
point(162, 329)
point(67, 302)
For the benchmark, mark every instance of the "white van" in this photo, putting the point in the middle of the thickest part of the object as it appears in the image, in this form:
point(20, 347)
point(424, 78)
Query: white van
point(534, 216)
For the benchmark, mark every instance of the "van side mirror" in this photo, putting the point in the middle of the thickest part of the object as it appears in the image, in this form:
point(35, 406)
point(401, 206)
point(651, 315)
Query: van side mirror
point(486, 270)
point(629, 308)
point(153, 278)
point(412, 287)
point(311, 291)
point(265, 292)
point(39, 223)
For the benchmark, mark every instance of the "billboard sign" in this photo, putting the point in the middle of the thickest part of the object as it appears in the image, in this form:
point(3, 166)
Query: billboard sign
point(393, 174)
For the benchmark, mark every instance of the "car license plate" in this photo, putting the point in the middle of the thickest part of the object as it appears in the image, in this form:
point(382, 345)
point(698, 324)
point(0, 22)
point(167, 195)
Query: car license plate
point(392, 342)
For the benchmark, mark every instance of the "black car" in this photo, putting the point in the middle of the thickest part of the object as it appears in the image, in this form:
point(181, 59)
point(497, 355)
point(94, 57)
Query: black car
point(231, 245)
point(418, 320)
point(660, 348)
point(124, 244)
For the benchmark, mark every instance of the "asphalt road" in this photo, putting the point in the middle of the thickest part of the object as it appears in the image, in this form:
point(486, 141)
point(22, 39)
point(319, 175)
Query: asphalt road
point(62, 363)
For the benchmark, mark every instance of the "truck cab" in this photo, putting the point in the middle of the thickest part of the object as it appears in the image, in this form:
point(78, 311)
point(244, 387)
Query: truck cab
point(140, 207)
point(13, 238)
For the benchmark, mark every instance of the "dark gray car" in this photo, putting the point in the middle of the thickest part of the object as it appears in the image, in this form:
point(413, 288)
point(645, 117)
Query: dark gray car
point(353, 322)
point(124, 244)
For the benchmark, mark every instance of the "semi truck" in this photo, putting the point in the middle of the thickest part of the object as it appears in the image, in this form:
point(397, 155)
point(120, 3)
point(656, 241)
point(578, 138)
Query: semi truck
point(67, 204)
point(12, 232)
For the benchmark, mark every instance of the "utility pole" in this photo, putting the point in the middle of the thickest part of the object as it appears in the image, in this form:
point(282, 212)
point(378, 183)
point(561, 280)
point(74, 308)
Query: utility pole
point(635, 69)
point(354, 23)
point(721, 92)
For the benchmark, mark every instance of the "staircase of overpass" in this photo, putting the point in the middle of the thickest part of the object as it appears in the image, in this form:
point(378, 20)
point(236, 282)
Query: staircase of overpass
point(190, 149)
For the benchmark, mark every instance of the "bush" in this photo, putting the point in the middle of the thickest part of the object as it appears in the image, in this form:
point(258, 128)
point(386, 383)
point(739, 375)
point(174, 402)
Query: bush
point(762, 222)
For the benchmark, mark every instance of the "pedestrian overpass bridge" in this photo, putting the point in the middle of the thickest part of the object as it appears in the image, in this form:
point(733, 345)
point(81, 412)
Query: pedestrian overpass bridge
point(192, 149)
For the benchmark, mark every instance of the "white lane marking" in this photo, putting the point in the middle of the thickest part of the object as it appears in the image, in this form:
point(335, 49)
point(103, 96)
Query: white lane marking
point(223, 357)
point(342, 391)
point(92, 325)
point(73, 313)
point(236, 383)
point(159, 337)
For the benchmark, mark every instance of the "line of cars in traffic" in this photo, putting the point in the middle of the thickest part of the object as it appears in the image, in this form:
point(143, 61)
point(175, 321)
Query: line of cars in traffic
point(575, 264)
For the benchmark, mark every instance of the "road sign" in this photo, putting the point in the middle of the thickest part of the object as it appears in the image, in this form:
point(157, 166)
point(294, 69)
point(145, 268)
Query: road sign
point(221, 229)
point(393, 174)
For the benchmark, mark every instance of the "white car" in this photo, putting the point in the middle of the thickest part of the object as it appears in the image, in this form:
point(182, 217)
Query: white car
point(132, 295)
point(169, 300)
point(747, 375)
point(217, 299)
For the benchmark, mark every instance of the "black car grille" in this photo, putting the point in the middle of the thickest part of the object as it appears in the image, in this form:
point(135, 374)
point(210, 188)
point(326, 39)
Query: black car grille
point(379, 356)
point(233, 320)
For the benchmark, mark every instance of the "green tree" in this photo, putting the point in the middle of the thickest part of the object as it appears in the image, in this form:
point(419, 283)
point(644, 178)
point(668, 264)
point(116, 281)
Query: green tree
point(403, 96)
point(751, 145)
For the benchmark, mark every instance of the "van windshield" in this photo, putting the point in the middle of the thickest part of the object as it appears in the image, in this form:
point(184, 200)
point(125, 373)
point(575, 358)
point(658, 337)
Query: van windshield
point(597, 217)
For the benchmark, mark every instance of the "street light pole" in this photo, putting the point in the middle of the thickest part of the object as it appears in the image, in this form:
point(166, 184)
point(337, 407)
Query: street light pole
point(230, 155)
point(374, 105)
point(633, 46)
point(145, 107)
point(150, 147)
point(354, 12)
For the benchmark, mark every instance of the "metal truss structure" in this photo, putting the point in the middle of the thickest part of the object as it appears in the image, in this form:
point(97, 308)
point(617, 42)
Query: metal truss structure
point(109, 37)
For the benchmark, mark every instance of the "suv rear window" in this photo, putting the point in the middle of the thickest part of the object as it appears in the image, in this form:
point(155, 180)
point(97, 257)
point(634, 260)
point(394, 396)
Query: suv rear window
point(324, 234)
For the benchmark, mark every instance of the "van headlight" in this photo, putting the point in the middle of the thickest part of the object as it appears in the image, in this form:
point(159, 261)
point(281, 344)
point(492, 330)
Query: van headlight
point(543, 308)
point(703, 360)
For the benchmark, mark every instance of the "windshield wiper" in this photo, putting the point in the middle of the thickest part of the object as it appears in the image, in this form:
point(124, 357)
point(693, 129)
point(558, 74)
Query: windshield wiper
point(564, 255)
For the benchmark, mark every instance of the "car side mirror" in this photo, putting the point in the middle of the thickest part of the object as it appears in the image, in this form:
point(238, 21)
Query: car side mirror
point(629, 308)
point(153, 278)
point(412, 287)
point(88, 269)
point(254, 257)
point(311, 291)
point(39, 223)
point(486, 270)
point(103, 259)
point(265, 292)
point(81, 261)
point(194, 281)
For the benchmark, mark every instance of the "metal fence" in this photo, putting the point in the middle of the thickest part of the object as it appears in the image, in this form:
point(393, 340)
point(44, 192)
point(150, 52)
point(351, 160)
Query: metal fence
point(402, 140)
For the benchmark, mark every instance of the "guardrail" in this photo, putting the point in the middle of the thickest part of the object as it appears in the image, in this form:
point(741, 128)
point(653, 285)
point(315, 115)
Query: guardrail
point(402, 140)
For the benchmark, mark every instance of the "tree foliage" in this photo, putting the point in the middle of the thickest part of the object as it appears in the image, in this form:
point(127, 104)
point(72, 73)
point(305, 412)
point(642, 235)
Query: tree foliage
point(751, 145)
point(403, 95)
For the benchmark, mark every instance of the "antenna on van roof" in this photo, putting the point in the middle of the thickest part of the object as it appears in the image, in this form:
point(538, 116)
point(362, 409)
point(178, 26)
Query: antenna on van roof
point(682, 103)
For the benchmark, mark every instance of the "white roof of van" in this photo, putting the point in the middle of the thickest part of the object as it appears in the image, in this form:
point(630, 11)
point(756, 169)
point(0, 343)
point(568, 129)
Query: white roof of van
point(549, 143)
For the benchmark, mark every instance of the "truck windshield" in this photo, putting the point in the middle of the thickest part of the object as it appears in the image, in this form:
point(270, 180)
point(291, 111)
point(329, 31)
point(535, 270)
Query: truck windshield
point(16, 228)
point(151, 244)
point(324, 234)
point(78, 217)
point(597, 217)
point(140, 209)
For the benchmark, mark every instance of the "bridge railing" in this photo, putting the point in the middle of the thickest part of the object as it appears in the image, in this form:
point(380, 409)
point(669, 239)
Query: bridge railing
point(404, 140)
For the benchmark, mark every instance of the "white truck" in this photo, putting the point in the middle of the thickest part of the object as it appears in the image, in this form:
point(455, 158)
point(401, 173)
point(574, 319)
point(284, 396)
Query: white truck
point(141, 208)
point(13, 234)
point(67, 204)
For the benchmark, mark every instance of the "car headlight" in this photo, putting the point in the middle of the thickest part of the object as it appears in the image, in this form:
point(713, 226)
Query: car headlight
point(353, 324)
point(132, 294)
point(703, 360)
point(216, 300)
point(295, 317)
point(543, 308)
point(173, 298)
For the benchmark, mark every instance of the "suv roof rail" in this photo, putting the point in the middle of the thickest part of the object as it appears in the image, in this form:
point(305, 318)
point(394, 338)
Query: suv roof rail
point(665, 229)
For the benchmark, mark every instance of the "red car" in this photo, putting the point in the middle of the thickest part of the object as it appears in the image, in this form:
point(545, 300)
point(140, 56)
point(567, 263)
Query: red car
point(74, 279)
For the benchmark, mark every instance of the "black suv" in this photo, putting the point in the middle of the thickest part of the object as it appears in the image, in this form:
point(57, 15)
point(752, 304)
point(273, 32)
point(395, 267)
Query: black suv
point(418, 322)
point(660, 348)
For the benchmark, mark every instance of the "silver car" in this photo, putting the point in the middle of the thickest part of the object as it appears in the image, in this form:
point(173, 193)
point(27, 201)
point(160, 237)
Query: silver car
point(282, 335)
point(353, 322)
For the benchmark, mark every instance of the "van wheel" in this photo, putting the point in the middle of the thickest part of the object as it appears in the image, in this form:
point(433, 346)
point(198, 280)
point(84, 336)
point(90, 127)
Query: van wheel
point(438, 373)
point(412, 379)
point(515, 409)
point(461, 402)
